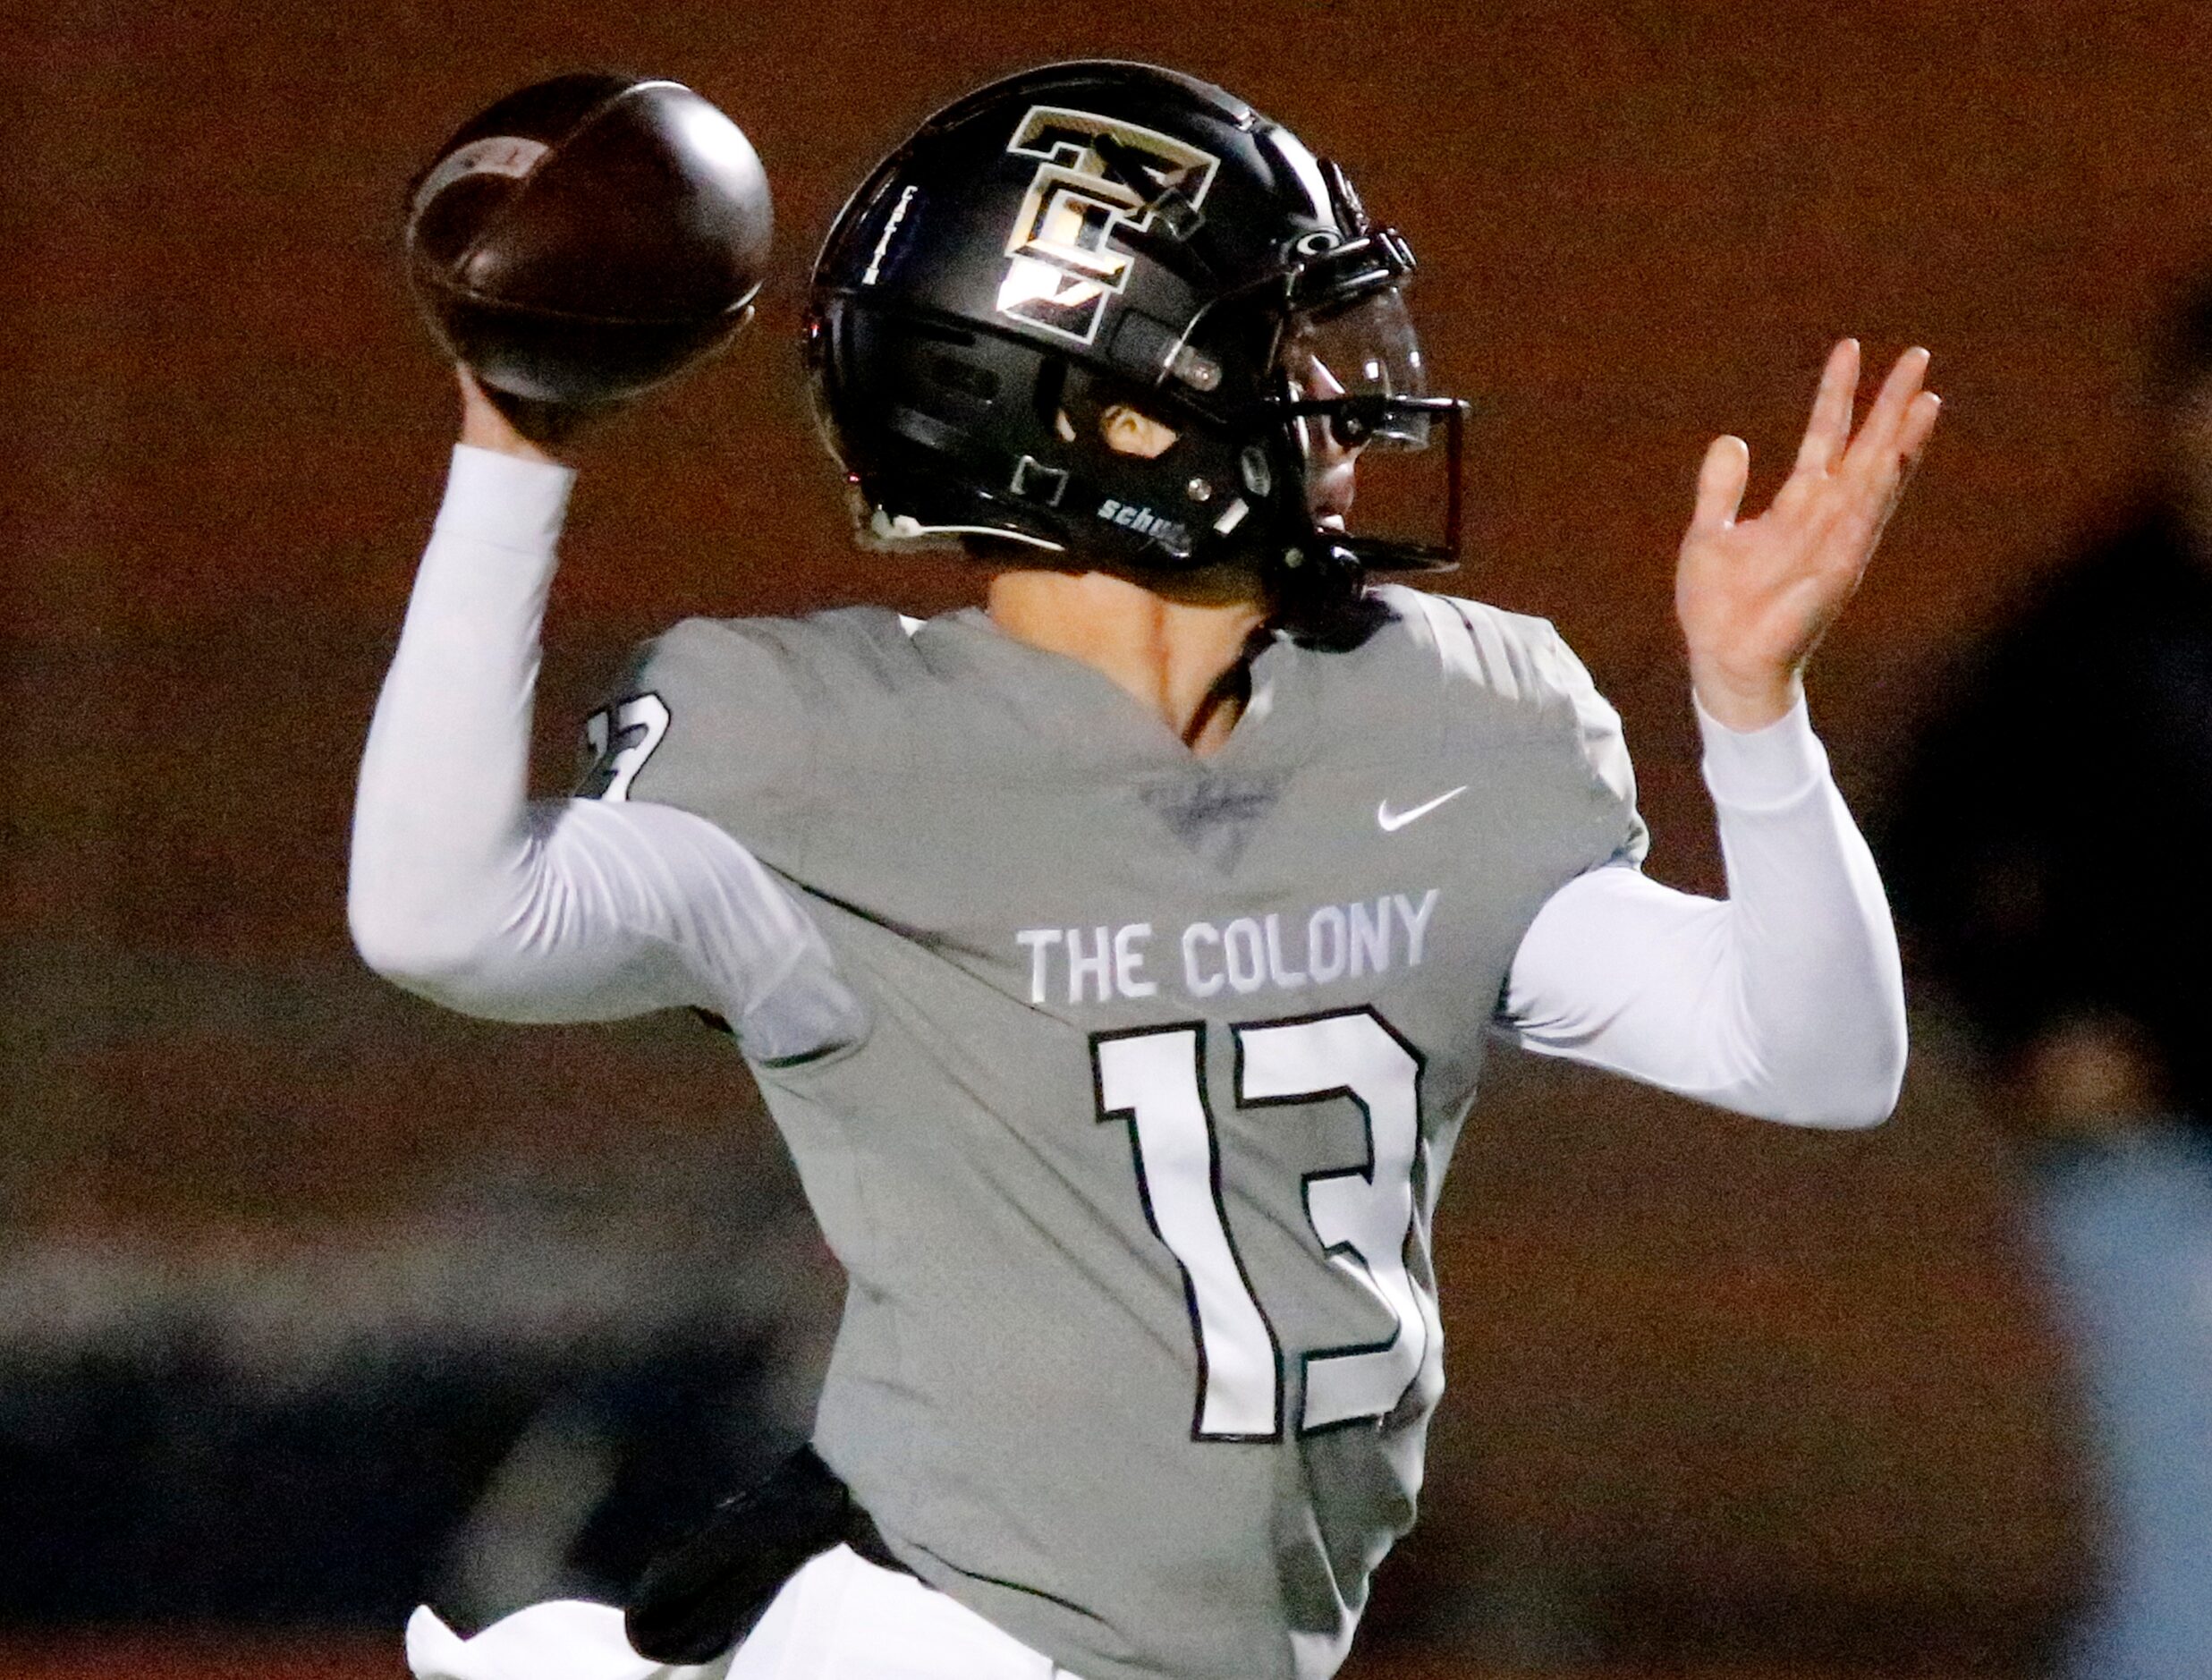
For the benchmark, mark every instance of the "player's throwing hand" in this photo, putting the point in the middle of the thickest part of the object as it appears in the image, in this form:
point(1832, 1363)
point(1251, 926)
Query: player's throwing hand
point(516, 426)
point(1755, 596)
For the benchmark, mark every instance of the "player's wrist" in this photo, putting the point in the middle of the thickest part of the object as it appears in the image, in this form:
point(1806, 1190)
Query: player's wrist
point(1745, 701)
point(1761, 769)
point(510, 501)
point(483, 428)
point(515, 426)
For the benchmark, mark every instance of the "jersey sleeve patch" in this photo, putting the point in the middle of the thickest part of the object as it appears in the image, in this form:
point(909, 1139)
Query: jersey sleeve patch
point(707, 717)
point(618, 740)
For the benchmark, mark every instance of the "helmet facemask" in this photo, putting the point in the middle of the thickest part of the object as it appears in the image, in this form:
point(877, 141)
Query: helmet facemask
point(1337, 394)
point(1356, 423)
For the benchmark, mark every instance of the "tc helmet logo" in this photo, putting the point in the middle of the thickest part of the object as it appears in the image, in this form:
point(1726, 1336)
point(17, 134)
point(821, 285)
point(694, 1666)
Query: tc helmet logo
point(1062, 265)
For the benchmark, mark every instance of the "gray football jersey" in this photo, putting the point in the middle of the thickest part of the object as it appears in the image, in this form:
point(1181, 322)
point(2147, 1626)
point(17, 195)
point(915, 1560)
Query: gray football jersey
point(1132, 1168)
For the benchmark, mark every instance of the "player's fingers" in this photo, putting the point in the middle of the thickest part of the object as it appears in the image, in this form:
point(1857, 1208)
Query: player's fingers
point(1726, 469)
point(474, 400)
point(1919, 421)
point(1829, 428)
point(1876, 448)
point(1913, 434)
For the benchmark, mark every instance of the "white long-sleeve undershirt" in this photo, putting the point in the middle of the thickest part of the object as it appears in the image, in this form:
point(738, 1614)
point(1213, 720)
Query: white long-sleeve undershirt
point(1783, 1000)
point(465, 891)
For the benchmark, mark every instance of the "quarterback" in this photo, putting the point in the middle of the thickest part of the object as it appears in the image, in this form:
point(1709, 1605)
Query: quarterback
point(1117, 959)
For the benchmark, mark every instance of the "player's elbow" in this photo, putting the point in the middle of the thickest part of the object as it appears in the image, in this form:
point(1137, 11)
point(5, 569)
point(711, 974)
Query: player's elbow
point(1849, 1086)
point(1816, 1109)
point(400, 950)
point(1850, 1111)
point(417, 948)
point(1886, 1089)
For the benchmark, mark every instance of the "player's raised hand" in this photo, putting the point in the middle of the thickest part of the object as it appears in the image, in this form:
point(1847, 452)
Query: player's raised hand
point(1755, 596)
point(515, 426)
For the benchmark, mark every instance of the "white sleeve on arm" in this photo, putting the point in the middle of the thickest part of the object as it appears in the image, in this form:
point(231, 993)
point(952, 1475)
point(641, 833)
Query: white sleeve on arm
point(1783, 1000)
point(465, 892)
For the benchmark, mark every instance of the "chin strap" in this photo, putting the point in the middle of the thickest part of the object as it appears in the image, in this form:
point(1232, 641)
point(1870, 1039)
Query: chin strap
point(1317, 593)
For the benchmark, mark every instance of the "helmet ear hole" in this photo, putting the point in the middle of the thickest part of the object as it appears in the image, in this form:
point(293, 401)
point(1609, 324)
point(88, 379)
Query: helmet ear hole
point(1131, 431)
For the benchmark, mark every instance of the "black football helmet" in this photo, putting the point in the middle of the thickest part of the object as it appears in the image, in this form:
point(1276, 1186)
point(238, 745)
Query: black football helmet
point(1091, 234)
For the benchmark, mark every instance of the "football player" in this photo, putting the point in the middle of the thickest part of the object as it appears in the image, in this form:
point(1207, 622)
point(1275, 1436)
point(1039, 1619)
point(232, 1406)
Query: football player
point(1117, 960)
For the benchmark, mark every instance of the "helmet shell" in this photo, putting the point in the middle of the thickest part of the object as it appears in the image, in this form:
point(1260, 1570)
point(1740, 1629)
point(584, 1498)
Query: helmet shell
point(1071, 238)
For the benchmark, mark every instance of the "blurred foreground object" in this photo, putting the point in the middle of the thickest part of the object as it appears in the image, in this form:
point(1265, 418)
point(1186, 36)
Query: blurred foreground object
point(2070, 762)
point(2044, 859)
point(589, 237)
point(521, 1388)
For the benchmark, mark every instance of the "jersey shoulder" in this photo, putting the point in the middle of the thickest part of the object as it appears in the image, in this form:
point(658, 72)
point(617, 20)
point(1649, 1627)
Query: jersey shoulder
point(1484, 669)
point(730, 716)
point(862, 647)
point(1476, 649)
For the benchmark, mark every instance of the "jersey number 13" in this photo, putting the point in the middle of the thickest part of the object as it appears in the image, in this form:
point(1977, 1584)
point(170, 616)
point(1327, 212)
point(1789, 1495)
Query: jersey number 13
point(1363, 1212)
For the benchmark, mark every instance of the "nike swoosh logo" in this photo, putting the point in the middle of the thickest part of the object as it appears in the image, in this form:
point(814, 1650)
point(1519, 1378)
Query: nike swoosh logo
point(1390, 821)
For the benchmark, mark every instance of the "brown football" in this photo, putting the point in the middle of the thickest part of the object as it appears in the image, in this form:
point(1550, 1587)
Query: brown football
point(588, 236)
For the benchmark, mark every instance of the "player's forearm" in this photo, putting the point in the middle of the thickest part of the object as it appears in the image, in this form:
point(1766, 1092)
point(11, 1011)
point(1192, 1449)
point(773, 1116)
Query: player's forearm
point(1818, 1021)
point(440, 831)
point(1785, 1000)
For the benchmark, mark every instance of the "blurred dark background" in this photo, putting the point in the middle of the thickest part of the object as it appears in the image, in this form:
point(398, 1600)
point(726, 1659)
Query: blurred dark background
point(314, 1300)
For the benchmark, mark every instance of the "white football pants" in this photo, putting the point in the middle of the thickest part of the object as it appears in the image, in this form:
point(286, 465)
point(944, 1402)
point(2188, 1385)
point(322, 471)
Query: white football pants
point(840, 1617)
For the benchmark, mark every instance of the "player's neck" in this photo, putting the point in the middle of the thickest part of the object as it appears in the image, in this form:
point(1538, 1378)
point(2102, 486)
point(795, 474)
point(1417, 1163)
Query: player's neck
point(1181, 655)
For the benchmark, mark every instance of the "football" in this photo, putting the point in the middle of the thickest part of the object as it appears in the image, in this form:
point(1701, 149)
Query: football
point(588, 237)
